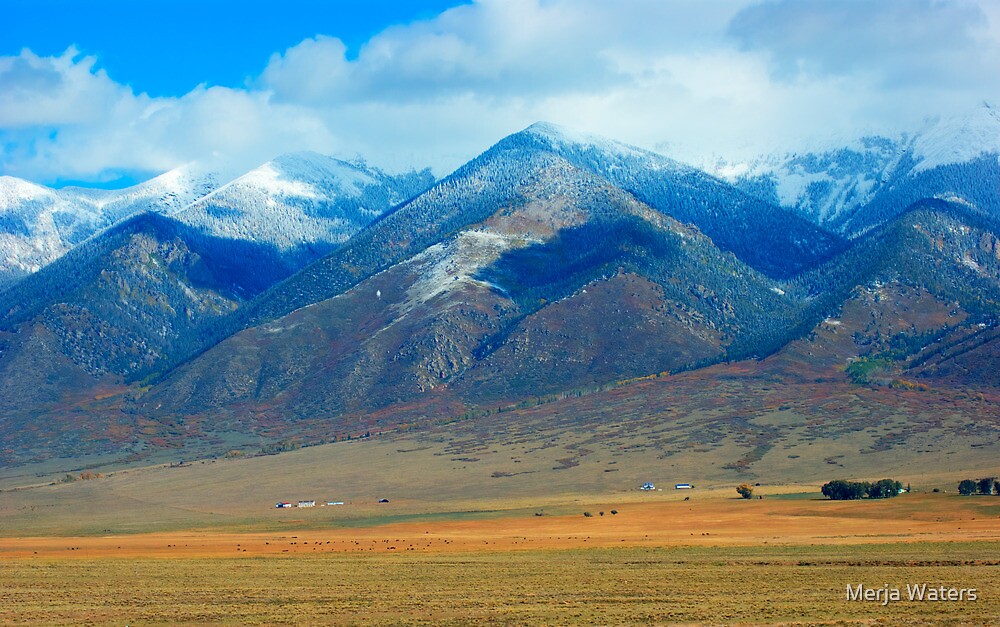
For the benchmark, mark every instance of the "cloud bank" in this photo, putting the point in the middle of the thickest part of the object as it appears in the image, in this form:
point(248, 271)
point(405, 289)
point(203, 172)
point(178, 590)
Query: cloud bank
point(692, 79)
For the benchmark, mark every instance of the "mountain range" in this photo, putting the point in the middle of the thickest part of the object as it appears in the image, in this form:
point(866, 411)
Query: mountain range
point(38, 225)
point(314, 299)
point(866, 181)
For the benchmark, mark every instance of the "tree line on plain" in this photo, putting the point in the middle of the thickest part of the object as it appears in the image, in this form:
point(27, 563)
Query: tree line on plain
point(840, 490)
point(986, 486)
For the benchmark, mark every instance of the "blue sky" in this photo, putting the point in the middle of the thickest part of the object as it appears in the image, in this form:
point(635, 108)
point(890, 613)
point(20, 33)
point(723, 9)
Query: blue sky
point(108, 93)
point(167, 48)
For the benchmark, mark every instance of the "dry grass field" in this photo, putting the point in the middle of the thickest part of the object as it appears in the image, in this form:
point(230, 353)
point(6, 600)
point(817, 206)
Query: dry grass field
point(483, 528)
point(658, 560)
point(652, 585)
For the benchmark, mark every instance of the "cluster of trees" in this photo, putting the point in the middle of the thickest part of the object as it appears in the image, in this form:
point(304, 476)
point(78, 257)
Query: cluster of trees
point(84, 476)
point(281, 446)
point(745, 490)
point(840, 490)
point(986, 486)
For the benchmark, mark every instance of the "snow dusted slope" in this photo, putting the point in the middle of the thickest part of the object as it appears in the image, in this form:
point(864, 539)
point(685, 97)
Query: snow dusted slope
point(561, 139)
point(769, 238)
point(29, 237)
point(301, 200)
point(168, 193)
point(949, 157)
point(954, 158)
point(39, 224)
point(823, 186)
point(958, 139)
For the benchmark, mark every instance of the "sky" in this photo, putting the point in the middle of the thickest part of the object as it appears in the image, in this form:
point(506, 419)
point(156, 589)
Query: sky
point(110, 92)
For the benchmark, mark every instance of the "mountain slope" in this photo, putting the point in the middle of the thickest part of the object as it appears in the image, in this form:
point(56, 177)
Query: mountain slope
point(536, 271)
point(75, 333)
point(772, 240)
point(120, 301)
point(867, 182)
point(934, 243)
point(434, 329)
point(303, 204)
point(485, 319)
point(974, 185)
point(828, 186)
point(927, 281)
point(38, 224)
point(775, 242)
point(130, 300)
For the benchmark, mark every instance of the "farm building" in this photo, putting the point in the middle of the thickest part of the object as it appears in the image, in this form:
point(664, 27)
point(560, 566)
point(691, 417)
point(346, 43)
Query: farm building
point(648, 486)
point(683, 486)
point(307, 504)
point(282, 504)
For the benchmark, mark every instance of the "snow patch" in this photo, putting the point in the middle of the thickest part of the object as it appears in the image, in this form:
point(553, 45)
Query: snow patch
point(451, 265)
point(729, 171)
point(968, 261)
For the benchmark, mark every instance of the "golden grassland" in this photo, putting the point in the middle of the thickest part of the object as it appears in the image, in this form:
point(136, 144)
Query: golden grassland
point(634, 585)
point(480, 532)
point(714, 559)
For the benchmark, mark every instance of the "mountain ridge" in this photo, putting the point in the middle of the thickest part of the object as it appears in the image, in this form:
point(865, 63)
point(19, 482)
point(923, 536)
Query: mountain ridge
point(836, 186)
point(551, 264)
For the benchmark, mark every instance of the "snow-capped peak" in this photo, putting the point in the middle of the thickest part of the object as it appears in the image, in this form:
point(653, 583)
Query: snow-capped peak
point(311, 166)
point(14, 191)
point(297, 199)
point(303, 175)
point(41, 224)
point(268, 179)
point(559, 136)
point(958, 139)
point(598, 151)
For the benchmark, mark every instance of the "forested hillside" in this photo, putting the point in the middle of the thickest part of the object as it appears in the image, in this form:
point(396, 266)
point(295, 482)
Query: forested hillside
point(314, 299)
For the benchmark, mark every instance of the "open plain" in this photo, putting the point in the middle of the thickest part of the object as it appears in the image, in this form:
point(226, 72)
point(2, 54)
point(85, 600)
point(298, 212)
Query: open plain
point(486, 523)
point(194, 545)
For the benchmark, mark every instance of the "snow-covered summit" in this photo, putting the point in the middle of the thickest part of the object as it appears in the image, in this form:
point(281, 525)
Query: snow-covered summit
point(301, 198)
point(831, 185)
point(15, 191)
point(564, 140)
point(958, 139)
point(559, 135)
point(296, 199)
point(39, 224)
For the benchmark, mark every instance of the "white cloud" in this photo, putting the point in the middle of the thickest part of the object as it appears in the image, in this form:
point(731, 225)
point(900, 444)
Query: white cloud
point(55, 90)
point(499, 49)
point(691, 78)
point(61, 118)
point(311, 72)
point(917, 43)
